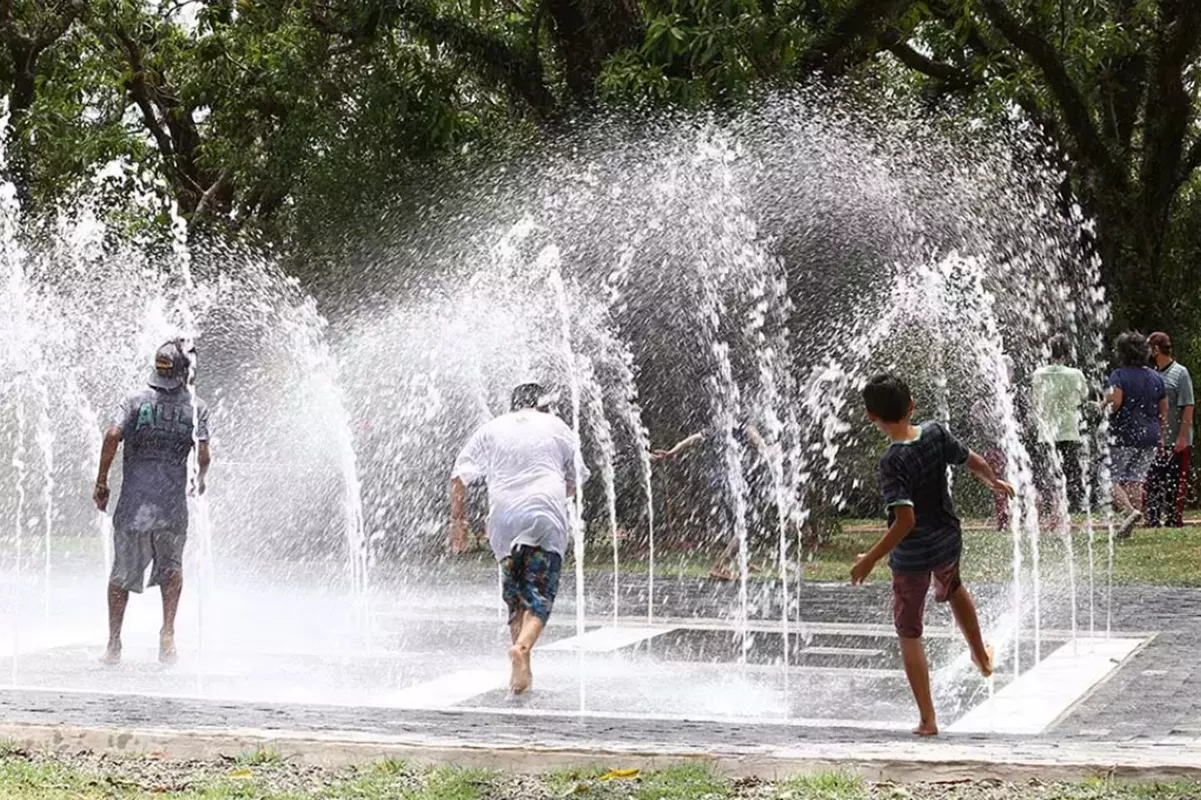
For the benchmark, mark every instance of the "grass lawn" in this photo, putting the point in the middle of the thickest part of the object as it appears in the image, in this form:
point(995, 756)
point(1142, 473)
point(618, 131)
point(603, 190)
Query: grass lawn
point(1159, 556)
point(267, 776)
point(1155, 556)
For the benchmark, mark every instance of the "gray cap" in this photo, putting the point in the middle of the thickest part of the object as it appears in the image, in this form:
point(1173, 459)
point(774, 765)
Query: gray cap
point(171, 366)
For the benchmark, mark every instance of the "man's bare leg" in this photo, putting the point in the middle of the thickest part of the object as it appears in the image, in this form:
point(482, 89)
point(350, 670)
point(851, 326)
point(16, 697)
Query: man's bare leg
point(964, 611)
point(913, 655)
point(118, 599)
point(515, 626)
point(172, 588)
point(519, 653)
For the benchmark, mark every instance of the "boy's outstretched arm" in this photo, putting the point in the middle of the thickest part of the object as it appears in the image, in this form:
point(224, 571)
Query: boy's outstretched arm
point(985, 474)
point(902, 525)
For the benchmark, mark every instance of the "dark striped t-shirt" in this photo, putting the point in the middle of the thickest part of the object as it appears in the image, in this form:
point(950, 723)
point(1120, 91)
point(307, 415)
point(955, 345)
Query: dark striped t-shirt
point(915, 474)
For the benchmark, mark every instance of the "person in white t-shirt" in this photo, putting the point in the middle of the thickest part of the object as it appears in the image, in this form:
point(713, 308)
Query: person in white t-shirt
point(1059, 391)
point(530, 461)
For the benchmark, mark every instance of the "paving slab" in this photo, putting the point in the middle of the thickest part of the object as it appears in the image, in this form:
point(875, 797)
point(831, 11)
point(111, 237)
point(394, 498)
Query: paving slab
point(1142, 719)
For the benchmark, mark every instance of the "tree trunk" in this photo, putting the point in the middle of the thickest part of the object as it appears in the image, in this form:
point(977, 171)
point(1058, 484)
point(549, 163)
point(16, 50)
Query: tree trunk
point(586, 33)
point(1140, 288)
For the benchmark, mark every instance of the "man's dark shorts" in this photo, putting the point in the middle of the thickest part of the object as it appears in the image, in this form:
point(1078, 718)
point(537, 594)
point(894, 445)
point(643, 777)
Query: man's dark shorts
point(133, 551)
point(909, 596)
point(531, 580)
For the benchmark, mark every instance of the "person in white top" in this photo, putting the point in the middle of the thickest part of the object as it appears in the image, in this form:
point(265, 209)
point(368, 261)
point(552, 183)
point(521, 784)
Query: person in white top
point(530, 461)
point(1059, 391)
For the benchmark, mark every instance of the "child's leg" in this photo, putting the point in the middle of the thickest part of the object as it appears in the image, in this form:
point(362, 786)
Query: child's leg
point(913, 655)
point(908, 607)
point(964, 611)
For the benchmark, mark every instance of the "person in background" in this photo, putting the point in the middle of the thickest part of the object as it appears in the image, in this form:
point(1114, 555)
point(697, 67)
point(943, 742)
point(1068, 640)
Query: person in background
point(924, 541)
point(757, 476)
point(528, 458)
point(1058, 392)
point(159, 424)
point(1167, 479)
point(1138, 403)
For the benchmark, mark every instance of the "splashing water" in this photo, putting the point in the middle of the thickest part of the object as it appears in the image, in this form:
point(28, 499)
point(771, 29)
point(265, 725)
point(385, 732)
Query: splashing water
point(692, 276)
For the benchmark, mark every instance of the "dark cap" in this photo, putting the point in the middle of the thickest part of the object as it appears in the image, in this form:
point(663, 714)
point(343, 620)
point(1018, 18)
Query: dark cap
point(530, 395)
point(171, 365)
point(1161, 341)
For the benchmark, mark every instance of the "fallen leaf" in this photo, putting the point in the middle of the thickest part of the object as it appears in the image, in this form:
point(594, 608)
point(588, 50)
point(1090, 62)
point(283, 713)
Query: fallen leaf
point(619, 774)
point(241, 773)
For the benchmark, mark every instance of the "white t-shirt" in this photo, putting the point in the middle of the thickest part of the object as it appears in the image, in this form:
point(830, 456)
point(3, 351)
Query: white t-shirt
point(1059, 391)
point(528, 459)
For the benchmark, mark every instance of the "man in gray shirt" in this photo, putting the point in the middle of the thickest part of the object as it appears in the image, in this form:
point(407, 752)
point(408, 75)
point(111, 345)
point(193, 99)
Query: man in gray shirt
point(159, 423)
point(1167, 479)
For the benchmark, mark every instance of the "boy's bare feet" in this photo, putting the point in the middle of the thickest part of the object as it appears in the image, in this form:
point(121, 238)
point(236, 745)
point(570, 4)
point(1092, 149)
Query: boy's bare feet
point(520, 677)
point(987, 667)
point(925, 728)
point(112, 654)
point(167, 654)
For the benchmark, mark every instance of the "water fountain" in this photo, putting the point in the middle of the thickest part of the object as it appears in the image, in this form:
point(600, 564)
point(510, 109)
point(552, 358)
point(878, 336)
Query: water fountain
point(687, 277)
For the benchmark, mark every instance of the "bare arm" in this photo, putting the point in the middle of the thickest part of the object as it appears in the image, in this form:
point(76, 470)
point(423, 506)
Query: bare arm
point(680, 447)
point(1114, 397)
point(108, 452)
point(204, 457)
point(1186, 428)
point(986, 475)
point(1163, 422)
point(903, 523)
point(458, 515)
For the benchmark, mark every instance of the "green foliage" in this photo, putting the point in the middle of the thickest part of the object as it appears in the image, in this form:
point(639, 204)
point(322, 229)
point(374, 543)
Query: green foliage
point(290, 118)
point(704, 50)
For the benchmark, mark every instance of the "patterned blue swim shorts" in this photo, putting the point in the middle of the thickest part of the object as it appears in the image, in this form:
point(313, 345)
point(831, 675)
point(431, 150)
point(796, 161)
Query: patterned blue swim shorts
point(531, 580)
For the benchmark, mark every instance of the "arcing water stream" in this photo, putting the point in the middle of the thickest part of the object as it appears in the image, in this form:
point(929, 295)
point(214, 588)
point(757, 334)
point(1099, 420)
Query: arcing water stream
point(690, 278)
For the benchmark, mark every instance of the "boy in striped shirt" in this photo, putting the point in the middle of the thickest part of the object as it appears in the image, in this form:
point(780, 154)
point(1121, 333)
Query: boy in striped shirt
point(924, 539)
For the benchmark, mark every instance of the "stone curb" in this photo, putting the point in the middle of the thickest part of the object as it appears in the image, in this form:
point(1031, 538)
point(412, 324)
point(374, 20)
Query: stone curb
point(945, 760)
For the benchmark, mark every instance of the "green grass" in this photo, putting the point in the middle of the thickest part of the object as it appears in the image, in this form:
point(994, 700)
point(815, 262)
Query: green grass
point(1160, 556)
point(829, 786)
point(24, 777)
point(688, 781)
point(263, 756)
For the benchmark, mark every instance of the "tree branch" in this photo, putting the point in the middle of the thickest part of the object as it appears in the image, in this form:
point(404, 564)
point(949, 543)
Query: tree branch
point(835, 50)
point(1072, 104)
point(953, 77)
point(519, 73)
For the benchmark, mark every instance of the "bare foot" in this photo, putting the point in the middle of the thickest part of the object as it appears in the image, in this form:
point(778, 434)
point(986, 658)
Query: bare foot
point(987, 667)
point(112, 654)
point(519, 678)
point(167, 654)
point(926, 729)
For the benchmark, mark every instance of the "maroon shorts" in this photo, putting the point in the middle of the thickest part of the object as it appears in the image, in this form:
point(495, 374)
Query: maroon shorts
point(909, 596)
